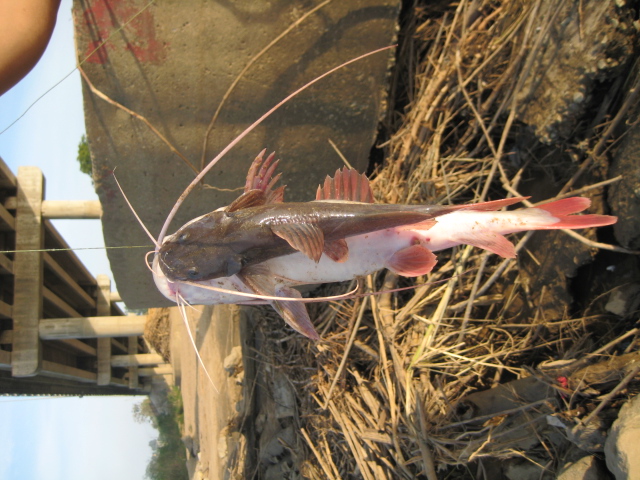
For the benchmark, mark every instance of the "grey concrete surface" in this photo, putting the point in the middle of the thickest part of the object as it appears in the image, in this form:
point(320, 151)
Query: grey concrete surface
point(172, 64)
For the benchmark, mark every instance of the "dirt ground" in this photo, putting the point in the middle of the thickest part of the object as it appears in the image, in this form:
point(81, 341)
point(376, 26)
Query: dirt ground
point(210, 404)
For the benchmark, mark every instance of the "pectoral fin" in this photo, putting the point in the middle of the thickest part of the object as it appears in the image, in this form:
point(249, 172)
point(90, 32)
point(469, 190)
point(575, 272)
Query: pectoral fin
point(294, 313)
point(412, 261)
point(304, 237)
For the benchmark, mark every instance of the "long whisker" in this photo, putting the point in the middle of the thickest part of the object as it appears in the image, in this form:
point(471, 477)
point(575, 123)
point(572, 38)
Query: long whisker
point(268, 297)
point(157, 244)
point(181, 303)
point(344, 296)
point(250, 128)
point(146, 261)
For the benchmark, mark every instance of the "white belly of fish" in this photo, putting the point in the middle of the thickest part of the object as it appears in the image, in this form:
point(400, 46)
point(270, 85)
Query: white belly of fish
point(201, 293)
point(367, 254)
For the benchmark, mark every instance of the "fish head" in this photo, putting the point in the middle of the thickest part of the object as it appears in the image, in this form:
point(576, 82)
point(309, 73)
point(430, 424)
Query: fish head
point(200, 250)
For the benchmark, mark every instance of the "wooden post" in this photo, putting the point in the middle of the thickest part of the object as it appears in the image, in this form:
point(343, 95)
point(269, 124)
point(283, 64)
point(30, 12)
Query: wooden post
point(92, 327)
point(103, 308)
point(164, 369)
point(26, 358)
point(62, 209)
point(139, 359)
point(132, 349)
point(80, 209)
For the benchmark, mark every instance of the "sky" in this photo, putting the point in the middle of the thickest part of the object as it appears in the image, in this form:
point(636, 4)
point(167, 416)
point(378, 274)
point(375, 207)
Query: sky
point(63, 438)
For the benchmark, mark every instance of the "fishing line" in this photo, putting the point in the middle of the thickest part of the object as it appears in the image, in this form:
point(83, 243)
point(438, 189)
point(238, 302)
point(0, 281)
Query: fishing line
point(74, 249)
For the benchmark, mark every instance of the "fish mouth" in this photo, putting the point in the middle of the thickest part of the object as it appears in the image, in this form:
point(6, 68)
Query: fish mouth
point(167, 268)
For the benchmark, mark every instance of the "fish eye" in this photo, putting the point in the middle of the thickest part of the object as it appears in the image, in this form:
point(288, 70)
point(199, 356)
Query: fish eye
point(193, 272)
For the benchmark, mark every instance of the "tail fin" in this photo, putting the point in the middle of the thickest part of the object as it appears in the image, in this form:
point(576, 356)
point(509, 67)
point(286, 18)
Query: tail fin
point(560, 209)
point(566, 206)
point(550, 216)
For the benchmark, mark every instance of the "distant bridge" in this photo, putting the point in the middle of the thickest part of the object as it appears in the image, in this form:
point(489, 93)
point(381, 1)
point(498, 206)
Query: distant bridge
point(61, 332)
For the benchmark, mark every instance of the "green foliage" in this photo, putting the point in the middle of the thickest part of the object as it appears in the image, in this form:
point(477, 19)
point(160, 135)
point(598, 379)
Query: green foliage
point(84, 157)
point(175, 399)
point(135, 311)
point(143, 412)
point(169, 455)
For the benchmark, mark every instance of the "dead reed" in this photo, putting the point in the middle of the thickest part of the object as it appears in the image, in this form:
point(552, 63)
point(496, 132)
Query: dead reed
point(485, 358)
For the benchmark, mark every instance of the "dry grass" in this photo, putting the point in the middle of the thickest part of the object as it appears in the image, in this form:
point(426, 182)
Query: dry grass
point(157, 331)
point(386, 396)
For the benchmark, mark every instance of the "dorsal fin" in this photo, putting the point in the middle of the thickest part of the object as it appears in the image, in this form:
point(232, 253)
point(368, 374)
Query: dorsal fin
point(258, 188)
point(251, 198)
point(260, 177)
point(346, 184)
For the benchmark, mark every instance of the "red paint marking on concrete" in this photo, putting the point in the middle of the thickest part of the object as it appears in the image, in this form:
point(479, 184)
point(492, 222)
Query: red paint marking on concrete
point(103, 17)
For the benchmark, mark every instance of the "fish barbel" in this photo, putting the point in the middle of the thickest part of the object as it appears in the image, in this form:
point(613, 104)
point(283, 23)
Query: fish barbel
point(406, 249)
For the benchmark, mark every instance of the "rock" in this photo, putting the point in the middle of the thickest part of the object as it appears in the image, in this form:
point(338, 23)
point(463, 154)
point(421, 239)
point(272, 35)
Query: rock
point(624, 196)
point(518, 431)
point(507, 396)
point(622, 448)
point(586, 468)
point(624, 300)
point(605, 374)
point(199, 475)
point(589, 43)
point(274, 447)
point(524, 469)
point(590, 437)
point(233, 361)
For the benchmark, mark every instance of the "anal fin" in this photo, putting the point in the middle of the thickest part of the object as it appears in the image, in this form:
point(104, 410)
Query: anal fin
point(412, 261)
point(493, 242)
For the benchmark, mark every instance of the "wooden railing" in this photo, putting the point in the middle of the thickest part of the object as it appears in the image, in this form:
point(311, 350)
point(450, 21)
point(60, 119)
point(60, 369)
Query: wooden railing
point(59, 326)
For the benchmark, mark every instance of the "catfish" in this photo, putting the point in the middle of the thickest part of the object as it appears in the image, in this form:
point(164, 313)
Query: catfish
point(405, 249)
